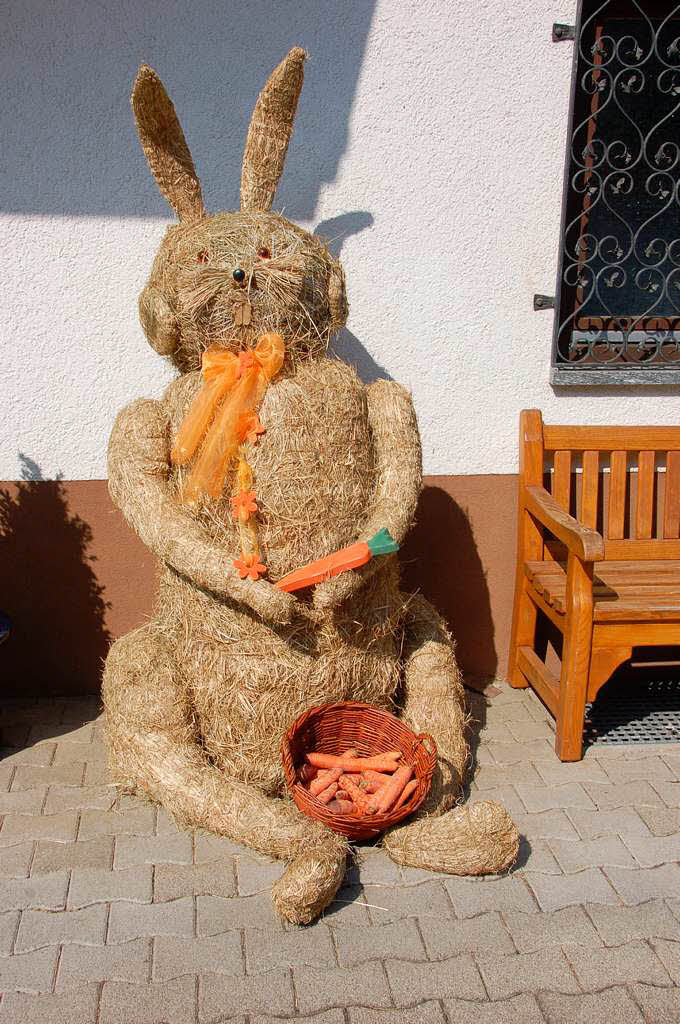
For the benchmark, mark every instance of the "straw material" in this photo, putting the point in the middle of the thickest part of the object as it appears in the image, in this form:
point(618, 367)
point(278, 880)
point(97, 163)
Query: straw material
point(199, 698)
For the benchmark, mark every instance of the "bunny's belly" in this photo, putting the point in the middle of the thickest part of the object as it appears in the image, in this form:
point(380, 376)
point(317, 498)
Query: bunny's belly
point(313, 467)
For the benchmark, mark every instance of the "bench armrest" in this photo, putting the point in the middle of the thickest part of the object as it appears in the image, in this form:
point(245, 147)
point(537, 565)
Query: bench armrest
point(585, 543)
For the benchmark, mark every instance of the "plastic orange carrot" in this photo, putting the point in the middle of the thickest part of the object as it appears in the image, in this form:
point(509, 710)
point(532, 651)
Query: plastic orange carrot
point(351, 557)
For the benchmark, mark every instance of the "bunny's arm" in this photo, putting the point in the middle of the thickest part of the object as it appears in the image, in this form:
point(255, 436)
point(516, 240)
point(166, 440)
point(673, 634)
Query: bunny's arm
point(397, 455)
point(139, 466)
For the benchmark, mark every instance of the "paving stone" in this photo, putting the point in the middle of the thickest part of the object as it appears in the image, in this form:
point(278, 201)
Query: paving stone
point(59, 732)
point(96, 774)
point(643, 768)
point(637, 792)
point(215, 954)
point(127, 961)
point(31, 777)
point(75, 1007)
point(39, 755)
point(556, 891)
point(348, 909)
point(524, 732)
point(557, 773)
point(23, 801)
point(93, 886)
point(669, 955)
point(209, 848)
point(619, 965)
point(215, 915)
point(425, 1013)
point(267, 950)
point(654, 851)
point(376, 868)
point(15, 861)
point(411, 983)
point(661, 821)
point(38, 928)
point(399, 940)
point(659, 1005)
point(29, 972)
point(137, 821)
point(669, 792)
point(518, 1010)
point(17, 828)
point(493, 777)
point(515, 753)
point(227, 996)
point(335, 1016)
point(174, 880)
point(527, 972)
point(41, 892)
point(137, 920)
point(475, 896)
point(256, 875)
point(93, 853)
point(168, 849)
point(594, 824)
point(166, 824)
point(547, 798)
point(6, 773)
point(613, 1004)
point(392, 904)
point(66, 798)
point(8, 928)
point(69, 752)
point(169, 1002)
point(618, 925)
point(588, 853)
point(547, 825)
point(349, 986)
point(485, 934)
point(505, 795)
point(645, 883)
point(533, 932)
point(536, 856)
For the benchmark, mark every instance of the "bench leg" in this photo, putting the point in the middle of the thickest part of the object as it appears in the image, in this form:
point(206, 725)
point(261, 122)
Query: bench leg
point(578, 636)
point(524, 616)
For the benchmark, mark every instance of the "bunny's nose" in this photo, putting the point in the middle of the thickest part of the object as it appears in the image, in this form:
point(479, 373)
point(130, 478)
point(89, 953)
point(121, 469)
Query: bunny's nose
point(239, 275)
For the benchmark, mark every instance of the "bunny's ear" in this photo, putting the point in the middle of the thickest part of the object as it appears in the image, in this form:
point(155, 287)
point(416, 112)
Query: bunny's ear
point(271, 127)
point(164, 145)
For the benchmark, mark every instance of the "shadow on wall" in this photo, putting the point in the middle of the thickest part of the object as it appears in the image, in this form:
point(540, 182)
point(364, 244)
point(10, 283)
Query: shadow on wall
point(440, 559)
point(69, 142)
point(49, 590)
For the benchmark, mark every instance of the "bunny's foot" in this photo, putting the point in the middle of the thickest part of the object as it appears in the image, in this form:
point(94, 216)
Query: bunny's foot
point(480, 839)
point(311, 880)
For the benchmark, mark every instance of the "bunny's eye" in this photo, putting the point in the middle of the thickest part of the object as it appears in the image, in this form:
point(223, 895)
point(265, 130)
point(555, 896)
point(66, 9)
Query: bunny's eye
point(202, 256)
point(264, 253)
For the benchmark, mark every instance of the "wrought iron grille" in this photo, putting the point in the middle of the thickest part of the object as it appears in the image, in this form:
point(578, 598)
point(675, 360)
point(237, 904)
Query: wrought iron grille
point(617, 305)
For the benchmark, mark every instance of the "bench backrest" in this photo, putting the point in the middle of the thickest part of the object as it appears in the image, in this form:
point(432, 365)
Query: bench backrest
point(622, 481)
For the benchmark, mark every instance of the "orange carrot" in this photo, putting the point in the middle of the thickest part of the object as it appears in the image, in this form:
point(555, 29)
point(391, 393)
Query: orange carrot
point(408, 789)
point(393, 789)
point(323, 780)
point(363, 803)
point(341, 806)
point(350, 557)
point(342, 794)
point(326, 772)
point(380, 778)
point(380, 763)
point(327, 795)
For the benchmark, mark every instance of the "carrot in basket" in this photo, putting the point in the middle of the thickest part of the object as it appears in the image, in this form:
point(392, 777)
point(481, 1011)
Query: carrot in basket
point(328, 793)
point(379, 763)
point(392, 790)
point(350, 557)
point(323, 781)
point(307, 773)
point(324, 773)
point(408, 789)
point(339, 806)
point(364, 804)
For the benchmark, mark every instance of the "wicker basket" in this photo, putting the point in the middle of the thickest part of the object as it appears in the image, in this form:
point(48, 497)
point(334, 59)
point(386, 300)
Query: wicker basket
point(333, 728)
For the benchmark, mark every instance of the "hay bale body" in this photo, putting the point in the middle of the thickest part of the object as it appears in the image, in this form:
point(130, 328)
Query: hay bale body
point(198, 699)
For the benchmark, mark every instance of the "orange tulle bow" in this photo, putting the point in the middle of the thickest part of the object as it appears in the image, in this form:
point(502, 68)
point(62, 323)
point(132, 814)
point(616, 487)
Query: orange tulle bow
point(233, 389)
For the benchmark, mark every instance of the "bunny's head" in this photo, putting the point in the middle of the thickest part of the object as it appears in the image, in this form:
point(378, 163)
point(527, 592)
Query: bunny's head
point(226, 278)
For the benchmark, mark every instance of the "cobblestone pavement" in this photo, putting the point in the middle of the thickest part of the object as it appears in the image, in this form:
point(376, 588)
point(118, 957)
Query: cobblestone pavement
point(110, 913)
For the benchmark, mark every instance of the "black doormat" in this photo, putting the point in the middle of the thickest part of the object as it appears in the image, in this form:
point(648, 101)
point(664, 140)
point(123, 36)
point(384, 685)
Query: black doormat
point(635, 706)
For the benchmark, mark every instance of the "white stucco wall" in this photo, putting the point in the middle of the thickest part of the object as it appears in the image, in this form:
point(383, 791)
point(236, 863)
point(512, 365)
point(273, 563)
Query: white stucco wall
point(433, 129)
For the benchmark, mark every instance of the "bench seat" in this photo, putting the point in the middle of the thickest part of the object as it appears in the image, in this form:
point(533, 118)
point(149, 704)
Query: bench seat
point(642, 591)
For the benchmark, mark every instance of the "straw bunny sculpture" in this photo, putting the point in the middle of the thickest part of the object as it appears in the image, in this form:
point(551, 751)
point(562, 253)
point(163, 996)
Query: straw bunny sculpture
point(306, 461)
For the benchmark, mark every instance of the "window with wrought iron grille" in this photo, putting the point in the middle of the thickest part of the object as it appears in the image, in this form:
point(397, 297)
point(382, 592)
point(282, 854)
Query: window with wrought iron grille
point(617, 304)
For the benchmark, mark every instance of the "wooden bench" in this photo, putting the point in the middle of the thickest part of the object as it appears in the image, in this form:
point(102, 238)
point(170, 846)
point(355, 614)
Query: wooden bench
point(598, 553)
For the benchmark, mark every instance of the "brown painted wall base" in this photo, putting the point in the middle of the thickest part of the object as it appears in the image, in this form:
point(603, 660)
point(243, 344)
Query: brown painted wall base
point(74, 576)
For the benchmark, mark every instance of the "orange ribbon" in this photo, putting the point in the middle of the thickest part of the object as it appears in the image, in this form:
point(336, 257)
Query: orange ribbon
point(239, 383)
